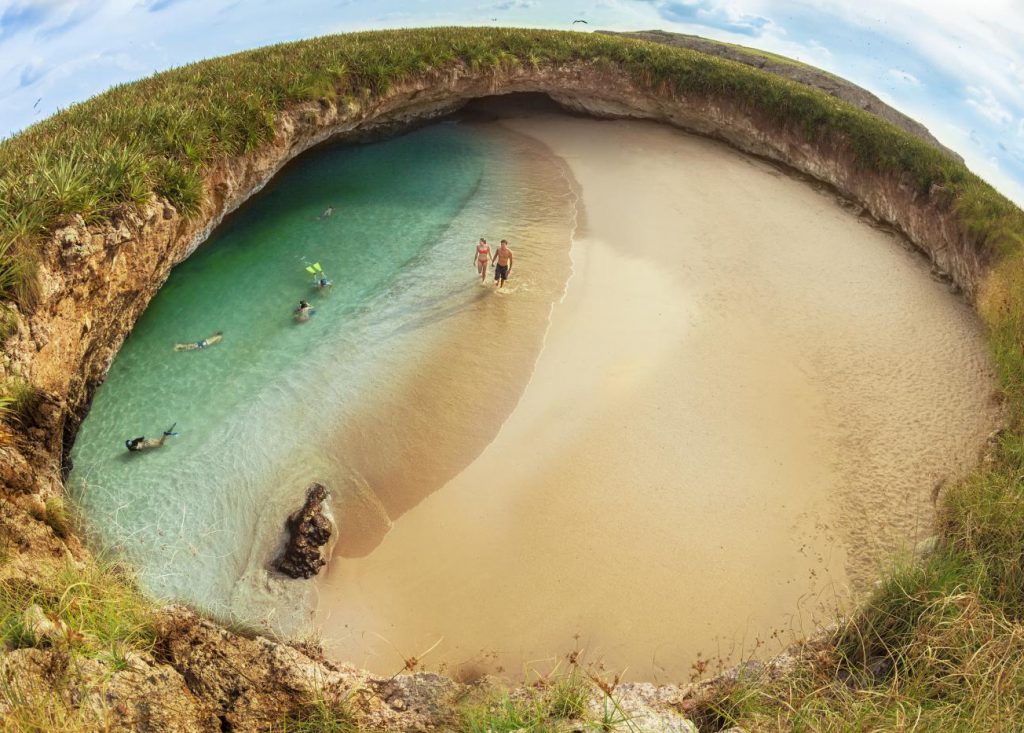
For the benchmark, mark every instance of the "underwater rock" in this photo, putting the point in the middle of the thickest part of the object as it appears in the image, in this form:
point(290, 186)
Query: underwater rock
point(309, 529)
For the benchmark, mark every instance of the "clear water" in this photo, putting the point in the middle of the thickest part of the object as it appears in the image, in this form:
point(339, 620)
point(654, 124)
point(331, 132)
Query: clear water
point(258, 413)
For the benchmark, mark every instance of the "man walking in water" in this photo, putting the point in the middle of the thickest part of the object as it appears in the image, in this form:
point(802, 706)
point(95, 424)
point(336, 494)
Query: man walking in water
point(483, 255)
point(504, 259)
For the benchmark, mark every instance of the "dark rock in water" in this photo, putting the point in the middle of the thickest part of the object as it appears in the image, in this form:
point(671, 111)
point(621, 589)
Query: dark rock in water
point(308, 531)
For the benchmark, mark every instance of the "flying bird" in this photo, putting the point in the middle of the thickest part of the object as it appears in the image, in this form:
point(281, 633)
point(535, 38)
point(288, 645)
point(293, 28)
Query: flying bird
point(580, 21)
point(37, 103)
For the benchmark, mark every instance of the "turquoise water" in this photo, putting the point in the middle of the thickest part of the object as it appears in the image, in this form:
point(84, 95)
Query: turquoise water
point(257, 413)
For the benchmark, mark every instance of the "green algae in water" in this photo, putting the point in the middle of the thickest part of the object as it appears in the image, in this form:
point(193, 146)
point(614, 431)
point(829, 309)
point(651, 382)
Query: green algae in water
point(254, 411)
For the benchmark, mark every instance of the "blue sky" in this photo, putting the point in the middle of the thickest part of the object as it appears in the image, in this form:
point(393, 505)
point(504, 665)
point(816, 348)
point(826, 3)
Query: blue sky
point(956, 66)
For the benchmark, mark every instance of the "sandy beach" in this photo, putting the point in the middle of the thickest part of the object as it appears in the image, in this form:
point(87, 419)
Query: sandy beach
point(742, 405)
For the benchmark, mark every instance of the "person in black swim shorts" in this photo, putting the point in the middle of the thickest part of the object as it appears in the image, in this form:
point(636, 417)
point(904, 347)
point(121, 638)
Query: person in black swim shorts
point(504, 259)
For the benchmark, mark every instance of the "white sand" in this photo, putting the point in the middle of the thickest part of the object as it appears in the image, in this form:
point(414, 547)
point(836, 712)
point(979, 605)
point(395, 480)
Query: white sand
point(742, 405)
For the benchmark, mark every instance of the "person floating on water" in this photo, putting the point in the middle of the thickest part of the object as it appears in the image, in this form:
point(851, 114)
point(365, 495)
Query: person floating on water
point(504, 259)
point(208, 341)
point(483, 254)
point(140, 444)
point(303, 312)
point(320, 280)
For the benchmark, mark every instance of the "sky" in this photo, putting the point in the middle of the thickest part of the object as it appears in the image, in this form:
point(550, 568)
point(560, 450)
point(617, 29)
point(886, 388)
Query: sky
point(955, 65)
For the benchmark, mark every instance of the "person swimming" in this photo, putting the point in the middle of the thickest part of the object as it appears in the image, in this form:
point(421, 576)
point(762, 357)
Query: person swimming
point(303, 312)
point(140, 444)
point(208, 341)
point(327, 212)
point(320, 280)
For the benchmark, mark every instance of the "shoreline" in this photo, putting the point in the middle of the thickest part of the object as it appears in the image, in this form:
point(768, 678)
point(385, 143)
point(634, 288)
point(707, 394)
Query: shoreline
point(103, 274)
point(462, 516)
point(432, 421)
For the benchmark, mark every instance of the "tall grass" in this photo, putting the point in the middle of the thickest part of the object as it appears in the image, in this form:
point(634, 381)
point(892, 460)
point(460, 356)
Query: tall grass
point(162, 133)
point(940, 645)
point(93, 611)
point(97, 605)
point(19, 401)
point(320, 715)
point(926, 653)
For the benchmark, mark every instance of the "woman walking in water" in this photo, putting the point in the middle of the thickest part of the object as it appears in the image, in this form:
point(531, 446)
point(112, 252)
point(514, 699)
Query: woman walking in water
point(483, 257)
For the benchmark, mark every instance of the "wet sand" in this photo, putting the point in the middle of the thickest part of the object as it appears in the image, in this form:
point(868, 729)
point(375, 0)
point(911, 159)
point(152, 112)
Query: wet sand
point(439, 390)
point(741, 408)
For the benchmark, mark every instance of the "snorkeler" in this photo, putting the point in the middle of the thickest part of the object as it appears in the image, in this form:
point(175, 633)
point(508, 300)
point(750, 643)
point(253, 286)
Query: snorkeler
point(320, 280)
point(303, 312)
point(140, 444)
point(208, 341)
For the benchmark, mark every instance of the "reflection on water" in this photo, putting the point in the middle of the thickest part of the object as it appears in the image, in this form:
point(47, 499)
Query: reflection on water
point(348, 398)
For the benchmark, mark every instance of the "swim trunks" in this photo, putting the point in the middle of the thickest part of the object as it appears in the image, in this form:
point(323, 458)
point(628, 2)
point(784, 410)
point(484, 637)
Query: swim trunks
point(500, 272)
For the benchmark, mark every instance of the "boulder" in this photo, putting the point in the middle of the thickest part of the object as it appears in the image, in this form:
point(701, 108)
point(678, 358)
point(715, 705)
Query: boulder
point(309, 529)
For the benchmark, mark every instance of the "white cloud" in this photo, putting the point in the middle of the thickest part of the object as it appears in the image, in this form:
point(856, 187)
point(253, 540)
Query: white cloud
point(514, 5)
point(942, 62)
point(905, 77)
point(986, 104)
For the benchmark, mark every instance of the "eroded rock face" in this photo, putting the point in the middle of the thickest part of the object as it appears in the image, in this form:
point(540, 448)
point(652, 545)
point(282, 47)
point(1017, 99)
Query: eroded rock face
point(144, 695)
point(95, 281)
point(253, 683)
point(798, 72)
point(309, 530)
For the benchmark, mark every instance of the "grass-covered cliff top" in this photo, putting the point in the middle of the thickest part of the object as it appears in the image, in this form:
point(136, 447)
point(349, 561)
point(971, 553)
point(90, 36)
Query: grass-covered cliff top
point(158, 134)
point(940, 646)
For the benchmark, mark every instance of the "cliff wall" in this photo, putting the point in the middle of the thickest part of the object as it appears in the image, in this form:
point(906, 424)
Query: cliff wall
point(97, 280)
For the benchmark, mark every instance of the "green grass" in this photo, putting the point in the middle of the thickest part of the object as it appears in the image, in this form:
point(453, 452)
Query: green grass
point(99, 606)
point(57, 517)
point(96, 613)
point(506, 714)
point(161, 134)
point(568, 696)
point(947, 632)
point(19, 401)
point(557, 702)
point(321, 716)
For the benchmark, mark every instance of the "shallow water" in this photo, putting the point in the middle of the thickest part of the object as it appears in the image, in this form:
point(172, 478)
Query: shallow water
point(279, 404)
point(739, 409)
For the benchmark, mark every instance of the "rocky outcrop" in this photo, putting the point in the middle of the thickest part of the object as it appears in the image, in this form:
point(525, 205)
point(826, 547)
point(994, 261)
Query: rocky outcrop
point(309, 530)
point(95, 280)
point(84, 694)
